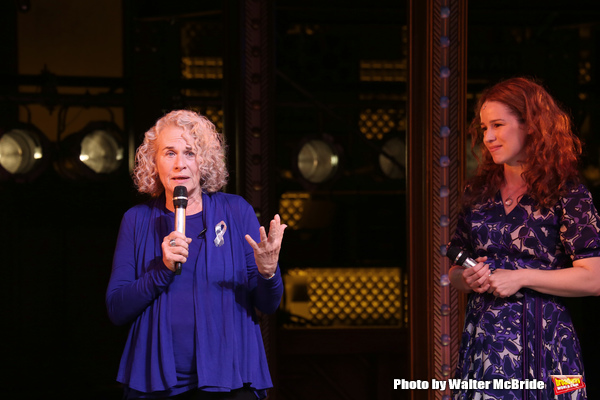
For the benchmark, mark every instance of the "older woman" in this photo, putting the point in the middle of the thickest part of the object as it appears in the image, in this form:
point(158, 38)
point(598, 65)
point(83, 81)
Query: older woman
point(193, 335)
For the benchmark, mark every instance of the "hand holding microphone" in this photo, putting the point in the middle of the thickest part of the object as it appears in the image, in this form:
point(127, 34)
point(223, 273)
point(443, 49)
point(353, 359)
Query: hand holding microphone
point(475, 278)
point(460, 257)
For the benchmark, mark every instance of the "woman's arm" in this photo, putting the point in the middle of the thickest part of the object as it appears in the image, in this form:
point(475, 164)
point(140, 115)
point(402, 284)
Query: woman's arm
point(580, 236)
point(268, 293)
point(127, 296)
point(583, 279)
point(473, 279)
point(262, 258)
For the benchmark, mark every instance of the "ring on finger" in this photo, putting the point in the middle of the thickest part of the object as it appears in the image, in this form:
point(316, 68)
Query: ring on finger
point(172, 242)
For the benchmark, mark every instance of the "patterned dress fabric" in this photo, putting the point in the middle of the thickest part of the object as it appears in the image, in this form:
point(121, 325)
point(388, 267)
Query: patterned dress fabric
point(528, 336)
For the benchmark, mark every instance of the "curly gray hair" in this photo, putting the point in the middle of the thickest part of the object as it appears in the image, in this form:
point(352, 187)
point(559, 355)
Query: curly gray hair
point(210, 153)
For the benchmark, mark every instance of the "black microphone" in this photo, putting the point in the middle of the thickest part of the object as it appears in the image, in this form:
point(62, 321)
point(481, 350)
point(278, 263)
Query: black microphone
point(460, 257)
point(180, 201)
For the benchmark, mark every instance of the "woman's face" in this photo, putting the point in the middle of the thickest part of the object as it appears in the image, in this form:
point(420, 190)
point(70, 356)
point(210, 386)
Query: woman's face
point(176, 161)
point(503, 134)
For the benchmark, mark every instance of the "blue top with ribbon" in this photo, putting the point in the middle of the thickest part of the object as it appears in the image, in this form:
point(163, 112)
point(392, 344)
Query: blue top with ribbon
point(224, 288)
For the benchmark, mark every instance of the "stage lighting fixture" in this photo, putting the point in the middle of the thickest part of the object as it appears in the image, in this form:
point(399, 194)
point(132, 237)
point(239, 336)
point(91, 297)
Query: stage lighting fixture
point(96, 152)
point(318, 160)
point(394, 168)
point(24, 152)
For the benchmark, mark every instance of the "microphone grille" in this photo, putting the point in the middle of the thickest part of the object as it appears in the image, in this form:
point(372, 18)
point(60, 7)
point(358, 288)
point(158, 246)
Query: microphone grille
point(452, 253)
point(180, 198)
point(180, 191)
point(457, 255)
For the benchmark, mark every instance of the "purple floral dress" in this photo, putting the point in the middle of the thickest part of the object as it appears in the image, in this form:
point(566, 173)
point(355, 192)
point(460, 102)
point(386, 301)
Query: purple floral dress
point(529, 335)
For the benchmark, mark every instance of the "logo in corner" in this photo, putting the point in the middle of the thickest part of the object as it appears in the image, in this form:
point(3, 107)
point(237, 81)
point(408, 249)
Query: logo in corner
point(567, 383)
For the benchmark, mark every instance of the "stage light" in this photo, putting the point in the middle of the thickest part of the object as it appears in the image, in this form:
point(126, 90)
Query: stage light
point(318, 160)
point(101, 152)
point(94, 153)
point(24, 152)
point(394, 168)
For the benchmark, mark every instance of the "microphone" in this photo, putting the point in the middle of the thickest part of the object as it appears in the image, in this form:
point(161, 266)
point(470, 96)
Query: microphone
point(180, 201)
point(460, 257)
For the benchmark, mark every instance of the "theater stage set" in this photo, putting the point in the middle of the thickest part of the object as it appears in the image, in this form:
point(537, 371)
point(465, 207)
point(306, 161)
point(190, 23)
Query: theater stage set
point(346, 117)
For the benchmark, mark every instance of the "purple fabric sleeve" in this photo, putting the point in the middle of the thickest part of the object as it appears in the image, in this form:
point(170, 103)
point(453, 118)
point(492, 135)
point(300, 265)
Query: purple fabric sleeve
point(127, 295)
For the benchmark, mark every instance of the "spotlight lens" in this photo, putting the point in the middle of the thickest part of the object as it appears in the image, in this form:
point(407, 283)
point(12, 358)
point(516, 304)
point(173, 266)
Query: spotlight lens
point(397, 150)
point(101, 152)
point(19, 150)
point(317, 161)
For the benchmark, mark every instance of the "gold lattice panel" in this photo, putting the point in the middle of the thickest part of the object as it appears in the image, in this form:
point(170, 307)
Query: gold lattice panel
point(202, 67)
point(291, 207)
point(383, 70)
point(376, 123)
point(347, 296)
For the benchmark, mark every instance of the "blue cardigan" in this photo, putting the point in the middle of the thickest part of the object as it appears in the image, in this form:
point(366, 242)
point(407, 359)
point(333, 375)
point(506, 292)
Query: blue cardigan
point(229, 346)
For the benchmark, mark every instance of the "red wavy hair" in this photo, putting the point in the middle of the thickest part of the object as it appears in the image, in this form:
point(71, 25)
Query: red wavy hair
point(552, 148)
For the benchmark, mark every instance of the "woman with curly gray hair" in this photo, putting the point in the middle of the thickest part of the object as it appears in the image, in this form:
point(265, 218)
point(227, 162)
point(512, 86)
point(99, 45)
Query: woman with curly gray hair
point(193, 332)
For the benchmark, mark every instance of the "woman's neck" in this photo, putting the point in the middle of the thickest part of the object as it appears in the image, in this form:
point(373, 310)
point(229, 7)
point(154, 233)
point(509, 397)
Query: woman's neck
point(513, 176)
point(194, 205)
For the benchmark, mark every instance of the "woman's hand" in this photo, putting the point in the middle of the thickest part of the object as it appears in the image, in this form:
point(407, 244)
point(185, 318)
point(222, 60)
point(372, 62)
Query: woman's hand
point(266, 253)
point(504, 282)
point(175, 248)
point(476, 278)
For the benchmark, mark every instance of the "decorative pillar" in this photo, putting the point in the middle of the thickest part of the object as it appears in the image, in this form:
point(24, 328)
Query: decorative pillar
point(258, 78)
point(249, 125)
point(436, 124)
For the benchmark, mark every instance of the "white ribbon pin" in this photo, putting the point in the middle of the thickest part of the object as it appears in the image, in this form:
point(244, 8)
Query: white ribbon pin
point(220, 229)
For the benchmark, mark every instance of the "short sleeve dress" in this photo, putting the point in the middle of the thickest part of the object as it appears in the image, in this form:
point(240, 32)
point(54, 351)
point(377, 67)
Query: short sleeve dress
point(529, 335)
